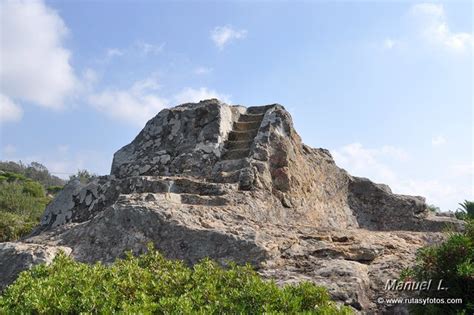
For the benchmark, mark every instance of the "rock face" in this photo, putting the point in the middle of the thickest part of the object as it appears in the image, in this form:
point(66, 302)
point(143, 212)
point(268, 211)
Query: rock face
point(236, 183)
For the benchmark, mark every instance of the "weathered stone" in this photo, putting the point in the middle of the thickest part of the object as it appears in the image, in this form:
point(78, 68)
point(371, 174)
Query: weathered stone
point(16, 257)
point(235, 183)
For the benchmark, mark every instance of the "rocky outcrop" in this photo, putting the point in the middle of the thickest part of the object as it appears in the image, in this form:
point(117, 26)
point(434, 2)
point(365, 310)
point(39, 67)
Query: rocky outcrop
point(235, 183)
point(16, 257)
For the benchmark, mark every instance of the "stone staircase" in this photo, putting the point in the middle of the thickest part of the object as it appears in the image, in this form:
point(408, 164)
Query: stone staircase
point(238, 145)
point(226, 177)
point(183, 190)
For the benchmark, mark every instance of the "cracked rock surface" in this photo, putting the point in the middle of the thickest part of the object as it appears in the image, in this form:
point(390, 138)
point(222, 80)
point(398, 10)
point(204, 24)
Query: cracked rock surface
point(233, 183)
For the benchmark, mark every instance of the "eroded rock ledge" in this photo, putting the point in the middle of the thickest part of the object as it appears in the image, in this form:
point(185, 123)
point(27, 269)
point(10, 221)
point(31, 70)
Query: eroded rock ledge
point(236, 183)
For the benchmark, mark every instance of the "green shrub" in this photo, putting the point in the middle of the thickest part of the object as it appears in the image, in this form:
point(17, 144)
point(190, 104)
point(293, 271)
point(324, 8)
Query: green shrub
point(466, 211)
point(34, 189)
point(21, 205)
point(54, 189)
point(433, 208)
point(20, 199)
point(14, 226)
point(452, 262)
point(83, 176)
point(152, 284)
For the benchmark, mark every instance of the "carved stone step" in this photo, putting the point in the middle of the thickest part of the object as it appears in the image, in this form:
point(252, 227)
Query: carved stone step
point(233, 145)
point(193, 199)
point(179, 185)
point(229, 165)
point(242, 135)
point(236, 154)
point(259, 109)
point(251, 118)
point(228, 177)
point(190, 199)
point(244, 126)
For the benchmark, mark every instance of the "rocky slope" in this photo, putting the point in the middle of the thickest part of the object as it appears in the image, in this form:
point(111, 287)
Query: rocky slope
point(236, 183)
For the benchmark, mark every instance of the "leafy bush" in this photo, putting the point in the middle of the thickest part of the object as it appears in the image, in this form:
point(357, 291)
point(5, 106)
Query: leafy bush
point(83, 176)
point(54, 189)
point(14, 226)
point(34, 171)
point(433, 208)
point(452, 262)
point(21, 206)
point(466, 211)
point(152, 284)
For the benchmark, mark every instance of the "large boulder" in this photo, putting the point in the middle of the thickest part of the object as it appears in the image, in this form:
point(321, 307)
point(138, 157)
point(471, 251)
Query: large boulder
point(16, 257)
point(235, 183)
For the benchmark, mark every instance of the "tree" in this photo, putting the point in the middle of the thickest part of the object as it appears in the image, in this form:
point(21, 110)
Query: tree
point(83, 176)
point(466, 211)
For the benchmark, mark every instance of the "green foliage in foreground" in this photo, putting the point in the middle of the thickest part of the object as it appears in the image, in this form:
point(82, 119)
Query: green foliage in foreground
point(151, 284)
point(453, 262)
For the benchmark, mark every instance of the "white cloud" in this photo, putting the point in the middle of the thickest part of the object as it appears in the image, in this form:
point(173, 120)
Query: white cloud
point(440, 193)
point(389, 43)
point(222, 35)
point(35, 66)
point(432, 26)
point(438, 140)
point(444, 191)
point(365, 162)
point(114, 52)
point(190, 95)
point(9, 111)
point(202, 70)
point(149, 49)
point(135, 105)
point(463, 169)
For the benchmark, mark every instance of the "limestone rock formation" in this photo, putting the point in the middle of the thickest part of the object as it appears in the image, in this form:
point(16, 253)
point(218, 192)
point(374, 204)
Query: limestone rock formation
point(235, 183)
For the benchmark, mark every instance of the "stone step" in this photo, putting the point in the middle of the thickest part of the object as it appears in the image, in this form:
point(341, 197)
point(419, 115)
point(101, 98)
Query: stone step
point(228, 177)
point(178, 185)
point(236, 154)
point(244, 126)
point(242, 135)
point(192, 199)
point(233, 145)
point(229, 165)
point(258, 109)
point(251, 118)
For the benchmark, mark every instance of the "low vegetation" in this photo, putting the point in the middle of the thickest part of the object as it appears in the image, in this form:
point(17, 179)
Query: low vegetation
point(22, 202)
point(152, 284)
point(25, 190)
point(466, 210)
point(452, 262)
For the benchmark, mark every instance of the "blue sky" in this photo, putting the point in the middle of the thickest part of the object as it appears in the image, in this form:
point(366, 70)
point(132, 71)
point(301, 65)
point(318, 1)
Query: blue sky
point(386, 86)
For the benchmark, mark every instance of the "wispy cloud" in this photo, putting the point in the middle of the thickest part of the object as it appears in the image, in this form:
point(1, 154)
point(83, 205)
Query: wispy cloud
point(428, 26)
point(35, 64)
point(375, 163)
point(114, 52)
point(202, 70)
point(434, 28)
point(222, 35)
point(148, 48)
point(438, 140)
point(195, 95)
point(135, 105)
point(389, 43)
point(9, 111)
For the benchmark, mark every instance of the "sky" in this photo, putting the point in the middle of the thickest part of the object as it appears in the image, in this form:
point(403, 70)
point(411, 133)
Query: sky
point(386, 86)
